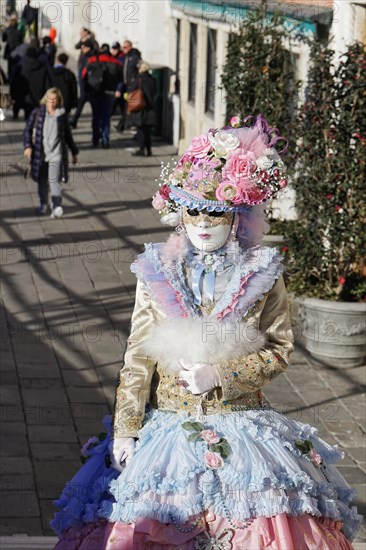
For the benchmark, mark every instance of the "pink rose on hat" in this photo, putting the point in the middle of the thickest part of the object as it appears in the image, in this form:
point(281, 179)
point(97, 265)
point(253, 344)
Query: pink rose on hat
point(228, 191)
point(158, 202)
point(164, 191)
point(240, 164)
point(199, 146)
point(187, 158)
point(235, 122)
point(253, 195)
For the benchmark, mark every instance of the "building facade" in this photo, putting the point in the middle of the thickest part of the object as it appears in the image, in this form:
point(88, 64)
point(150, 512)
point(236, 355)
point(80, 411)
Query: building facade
point(202, 34)
point(145, 22)
point(188, 39)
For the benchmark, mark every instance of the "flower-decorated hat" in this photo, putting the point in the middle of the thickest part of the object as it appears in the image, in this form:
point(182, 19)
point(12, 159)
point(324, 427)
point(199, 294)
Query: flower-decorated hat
point(231, 169)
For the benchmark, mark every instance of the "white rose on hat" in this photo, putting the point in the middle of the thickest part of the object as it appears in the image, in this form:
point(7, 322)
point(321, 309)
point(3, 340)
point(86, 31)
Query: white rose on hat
point(223, 143)
point(171, 219)
point(263, 162)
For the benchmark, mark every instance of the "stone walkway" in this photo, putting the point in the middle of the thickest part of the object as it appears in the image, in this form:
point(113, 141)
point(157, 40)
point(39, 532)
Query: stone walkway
point(67, 296)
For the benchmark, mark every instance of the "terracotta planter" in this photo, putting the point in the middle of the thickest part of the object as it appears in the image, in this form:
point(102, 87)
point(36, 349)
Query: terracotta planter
point(334, 333)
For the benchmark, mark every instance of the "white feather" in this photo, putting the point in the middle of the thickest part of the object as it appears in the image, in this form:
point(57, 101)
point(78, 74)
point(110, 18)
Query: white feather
point(200, 341)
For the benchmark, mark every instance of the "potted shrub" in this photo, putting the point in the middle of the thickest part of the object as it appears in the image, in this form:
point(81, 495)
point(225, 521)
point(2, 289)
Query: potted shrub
point(326, 241)
point(259, 72)
point(259, 78)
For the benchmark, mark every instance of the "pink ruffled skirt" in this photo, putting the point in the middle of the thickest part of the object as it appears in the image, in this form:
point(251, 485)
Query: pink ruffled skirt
point(280, 532)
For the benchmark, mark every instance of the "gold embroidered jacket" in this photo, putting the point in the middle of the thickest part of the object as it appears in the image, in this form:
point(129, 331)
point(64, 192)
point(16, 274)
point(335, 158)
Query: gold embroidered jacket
point(143, 381)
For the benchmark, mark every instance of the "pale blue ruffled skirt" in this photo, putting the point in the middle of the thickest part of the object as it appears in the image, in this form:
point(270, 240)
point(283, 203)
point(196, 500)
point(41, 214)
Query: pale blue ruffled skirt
point(167, 478)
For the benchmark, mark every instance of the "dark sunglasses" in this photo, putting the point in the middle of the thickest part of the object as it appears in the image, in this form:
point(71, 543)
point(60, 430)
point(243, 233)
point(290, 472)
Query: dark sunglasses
point(214, 214)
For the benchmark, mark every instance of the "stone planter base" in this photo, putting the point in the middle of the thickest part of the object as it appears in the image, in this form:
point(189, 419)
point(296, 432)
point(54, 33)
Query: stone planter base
point(274, 240)
point(20, 542)
point(334, 333)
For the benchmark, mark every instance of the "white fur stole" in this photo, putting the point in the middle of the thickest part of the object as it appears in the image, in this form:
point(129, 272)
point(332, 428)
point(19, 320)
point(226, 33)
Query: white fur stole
point(200, 341)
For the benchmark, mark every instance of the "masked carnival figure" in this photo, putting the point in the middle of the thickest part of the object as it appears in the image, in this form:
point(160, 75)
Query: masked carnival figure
point(194, 458)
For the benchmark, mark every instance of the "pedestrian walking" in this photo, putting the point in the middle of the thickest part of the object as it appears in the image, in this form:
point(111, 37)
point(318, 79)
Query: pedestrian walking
point(12, 37)
point(104, 48)
point(18, 83)
point(34, 79)
point(88, 47)
point(102, 75)
point(65, 81)
point(120, 102)
point(117, 52)
point(30, 19)
point(49, 50)
point(131, 62)
point(146, 117)
point(85, 34)
point(46, 137)
point(5, 98)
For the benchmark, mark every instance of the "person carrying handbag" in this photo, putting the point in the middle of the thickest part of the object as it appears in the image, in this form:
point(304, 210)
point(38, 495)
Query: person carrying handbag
point(46, 138)
point(142, 110)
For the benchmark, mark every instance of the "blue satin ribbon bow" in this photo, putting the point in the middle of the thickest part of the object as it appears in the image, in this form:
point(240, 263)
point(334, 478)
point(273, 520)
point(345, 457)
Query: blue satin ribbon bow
point(210, 284)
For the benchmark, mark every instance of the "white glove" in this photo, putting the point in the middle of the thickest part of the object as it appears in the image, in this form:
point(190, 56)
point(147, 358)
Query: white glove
point(199, 377)
point(121, 450)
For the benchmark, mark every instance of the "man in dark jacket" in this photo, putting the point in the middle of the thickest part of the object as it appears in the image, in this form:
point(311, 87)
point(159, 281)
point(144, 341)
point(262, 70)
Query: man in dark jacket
point(130, 66)
point(120, 102)
point(130, 61)
point(13, 38)
point(88, 47)
point(35, 78)
point(85, 34)
point(65, 80)
point(30, 18)
point(102, 75)
point(29, 13)
point(117, 52)
point(48, 50)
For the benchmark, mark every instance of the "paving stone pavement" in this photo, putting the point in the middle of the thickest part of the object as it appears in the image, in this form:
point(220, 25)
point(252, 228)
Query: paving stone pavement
point(67, 296)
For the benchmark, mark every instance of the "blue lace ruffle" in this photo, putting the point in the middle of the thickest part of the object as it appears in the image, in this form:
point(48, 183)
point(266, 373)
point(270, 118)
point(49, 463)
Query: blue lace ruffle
point(265, 475)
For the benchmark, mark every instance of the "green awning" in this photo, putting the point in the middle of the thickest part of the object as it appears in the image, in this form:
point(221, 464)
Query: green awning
point(301, 18)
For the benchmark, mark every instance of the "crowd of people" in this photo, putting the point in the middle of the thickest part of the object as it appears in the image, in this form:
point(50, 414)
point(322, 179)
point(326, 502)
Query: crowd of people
point(112, 78)
point(107, 76)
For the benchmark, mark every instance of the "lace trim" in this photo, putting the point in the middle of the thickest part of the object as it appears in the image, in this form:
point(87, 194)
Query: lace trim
point(148, 271)
point(255, 260)
point(258, 286)
point(253, 277)
point(175, 278)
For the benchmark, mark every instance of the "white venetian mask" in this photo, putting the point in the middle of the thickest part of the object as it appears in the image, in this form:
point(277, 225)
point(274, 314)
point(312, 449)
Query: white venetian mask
point(207, 231)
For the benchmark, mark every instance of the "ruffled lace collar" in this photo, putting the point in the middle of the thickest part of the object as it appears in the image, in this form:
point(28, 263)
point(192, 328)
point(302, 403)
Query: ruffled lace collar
point(255, 260)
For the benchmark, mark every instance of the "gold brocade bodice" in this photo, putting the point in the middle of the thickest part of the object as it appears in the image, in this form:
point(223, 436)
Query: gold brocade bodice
point(167, 394)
